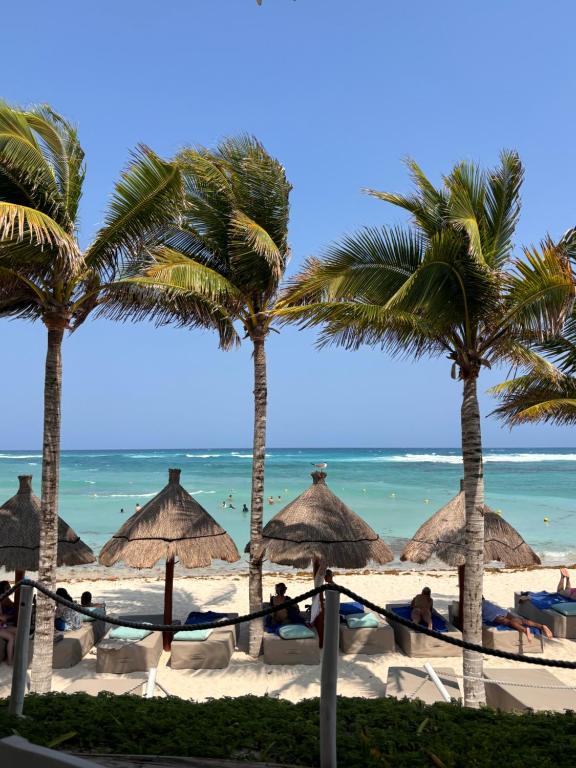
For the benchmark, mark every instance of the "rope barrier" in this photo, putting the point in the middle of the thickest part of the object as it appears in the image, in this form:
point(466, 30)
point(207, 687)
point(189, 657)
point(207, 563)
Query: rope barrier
point(513, 683)
point(390, 615)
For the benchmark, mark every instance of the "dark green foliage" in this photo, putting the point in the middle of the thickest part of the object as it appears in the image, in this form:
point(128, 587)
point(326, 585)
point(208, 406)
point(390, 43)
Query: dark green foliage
point(371, 732)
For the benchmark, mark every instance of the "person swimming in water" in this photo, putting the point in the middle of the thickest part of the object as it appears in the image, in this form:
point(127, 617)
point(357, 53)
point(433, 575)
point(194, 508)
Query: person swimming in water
point(245, 508)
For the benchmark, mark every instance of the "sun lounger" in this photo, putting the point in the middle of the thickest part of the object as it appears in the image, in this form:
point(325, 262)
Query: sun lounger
point(214, 652)
point(122, 656)
point(117, 685)
point(411, 683)
point(504, 638)
point(70, 647)
point(280, 651)
point(561, 626)
point(417, 644)
point(18, 752)
point(514, 698)
point(367, 640)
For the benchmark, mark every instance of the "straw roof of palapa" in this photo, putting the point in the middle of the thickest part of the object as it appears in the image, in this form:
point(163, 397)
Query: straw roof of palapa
point(20, 533)
point(444, 535)
point(172, 524)
point(318, 525)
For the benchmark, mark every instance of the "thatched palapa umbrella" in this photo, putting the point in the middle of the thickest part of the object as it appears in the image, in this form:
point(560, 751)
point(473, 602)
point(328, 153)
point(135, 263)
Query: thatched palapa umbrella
point(20, 535)
point(318, 529)
point(171, 525)
point(444, 535)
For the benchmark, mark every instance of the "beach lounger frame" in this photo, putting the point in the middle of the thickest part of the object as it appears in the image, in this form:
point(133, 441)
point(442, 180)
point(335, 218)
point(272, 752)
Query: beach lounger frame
point(213, 653)
point(367, 640)
point(417, 644)
point(561, 626)
point(414, 683)
point(120, 657)
point(517, 698)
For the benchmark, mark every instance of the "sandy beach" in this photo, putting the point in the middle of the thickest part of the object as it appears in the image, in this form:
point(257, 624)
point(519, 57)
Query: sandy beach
point(358, 676)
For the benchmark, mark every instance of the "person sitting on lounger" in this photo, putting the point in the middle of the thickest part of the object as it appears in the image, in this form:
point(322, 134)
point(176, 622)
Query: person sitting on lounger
point(422, 606)
point(495, 614)
point(281, 616)
point(66, 618)
point(7, 622)
point(564, 587)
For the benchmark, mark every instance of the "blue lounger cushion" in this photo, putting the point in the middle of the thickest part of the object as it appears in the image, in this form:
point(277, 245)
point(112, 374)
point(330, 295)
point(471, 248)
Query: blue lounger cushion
point(362, 621)
point(405, 611)
point(193, 634)
point(295, 632)
point(566, 609)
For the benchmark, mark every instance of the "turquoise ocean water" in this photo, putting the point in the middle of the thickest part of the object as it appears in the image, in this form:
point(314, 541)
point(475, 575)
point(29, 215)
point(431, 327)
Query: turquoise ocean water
point(394, 490)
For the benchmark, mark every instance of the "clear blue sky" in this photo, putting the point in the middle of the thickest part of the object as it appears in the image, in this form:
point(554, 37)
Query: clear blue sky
point(340, 91)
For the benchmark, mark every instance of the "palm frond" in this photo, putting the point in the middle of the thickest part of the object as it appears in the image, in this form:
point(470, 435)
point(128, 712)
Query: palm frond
point(540, 292)
point(20, 222)
point(148, 197)
point(172, 270)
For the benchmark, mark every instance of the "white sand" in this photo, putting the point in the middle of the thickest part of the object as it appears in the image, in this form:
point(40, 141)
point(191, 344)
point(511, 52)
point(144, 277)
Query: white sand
point(358, 676)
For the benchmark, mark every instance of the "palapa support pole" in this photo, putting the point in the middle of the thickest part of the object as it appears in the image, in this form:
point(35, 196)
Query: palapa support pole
point(168, 586)
point(16, 703)
point(329, 680)
point(18, 576)
point(461, 579)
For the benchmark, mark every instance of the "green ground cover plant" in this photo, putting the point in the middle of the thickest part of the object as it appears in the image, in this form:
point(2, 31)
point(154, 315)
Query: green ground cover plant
point(371, 732)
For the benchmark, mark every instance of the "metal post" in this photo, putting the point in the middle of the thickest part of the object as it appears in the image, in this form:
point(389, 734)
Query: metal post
point(21, 645)
point(437, 682)
point(329, 679)
point(151, 683)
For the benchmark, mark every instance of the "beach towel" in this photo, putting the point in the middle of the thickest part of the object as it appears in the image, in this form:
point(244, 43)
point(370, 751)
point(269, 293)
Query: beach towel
point(347, 609)
point(204, 617)
point(405, 611)
point(545, 600)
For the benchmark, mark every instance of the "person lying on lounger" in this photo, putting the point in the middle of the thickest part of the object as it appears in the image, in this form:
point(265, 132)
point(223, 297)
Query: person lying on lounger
point(564, 587)
point(495, 614)
point(422, 606)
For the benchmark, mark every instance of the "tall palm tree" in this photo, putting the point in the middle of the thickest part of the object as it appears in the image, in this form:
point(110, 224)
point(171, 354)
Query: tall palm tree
point(46, 276)
point(547, 390)
point(230, 253)
point(446, 285)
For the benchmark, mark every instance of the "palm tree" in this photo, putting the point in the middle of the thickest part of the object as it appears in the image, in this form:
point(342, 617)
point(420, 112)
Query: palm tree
point(547, 391)
point(446, 285)
point(45, 275)
point(230, 253)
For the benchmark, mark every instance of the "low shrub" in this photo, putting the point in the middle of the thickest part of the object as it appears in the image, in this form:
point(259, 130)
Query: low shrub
point(371, 732)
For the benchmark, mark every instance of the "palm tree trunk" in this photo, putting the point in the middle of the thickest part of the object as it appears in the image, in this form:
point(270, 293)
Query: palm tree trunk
point(474, 495)
point(41, 671)
point(257, 510)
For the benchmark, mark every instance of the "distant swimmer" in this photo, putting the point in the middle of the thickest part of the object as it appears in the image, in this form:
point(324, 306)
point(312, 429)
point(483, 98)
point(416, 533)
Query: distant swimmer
point(244, 508)
point(138, 507)
point(231, 506)
point(271, 500)
point(279, 497)
point(122, 511)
